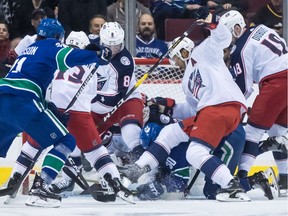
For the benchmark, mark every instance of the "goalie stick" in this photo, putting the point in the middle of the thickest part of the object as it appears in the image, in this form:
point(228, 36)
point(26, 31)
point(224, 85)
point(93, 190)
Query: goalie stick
point(144, 77)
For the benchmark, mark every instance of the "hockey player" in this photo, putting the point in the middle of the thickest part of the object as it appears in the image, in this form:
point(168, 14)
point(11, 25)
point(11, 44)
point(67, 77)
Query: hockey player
point(114, 81)
point(259, 55)
point(23, 106)
point(218, 104)
point(80, 120)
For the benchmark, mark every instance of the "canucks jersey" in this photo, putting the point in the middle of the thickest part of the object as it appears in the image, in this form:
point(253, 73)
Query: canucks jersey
point(258, 53)
point(153, 49)
point(33, 70)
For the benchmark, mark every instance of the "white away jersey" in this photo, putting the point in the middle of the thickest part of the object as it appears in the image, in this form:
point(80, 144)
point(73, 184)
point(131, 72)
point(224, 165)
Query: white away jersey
point(207, 80)
point(258, 53)
point(24, 43)
point(65, 85)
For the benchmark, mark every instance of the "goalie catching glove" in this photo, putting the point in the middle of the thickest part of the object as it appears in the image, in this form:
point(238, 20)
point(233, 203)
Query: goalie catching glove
point(104, 53)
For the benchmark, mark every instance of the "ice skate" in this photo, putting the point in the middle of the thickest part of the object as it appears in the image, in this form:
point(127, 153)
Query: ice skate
point(12, 181)
point(133, 171)
point(276, 143)
point(64, 187)
point(40, 196)
point(259, 180)
point(283, 187)
point(233, 193)
point(121, 191)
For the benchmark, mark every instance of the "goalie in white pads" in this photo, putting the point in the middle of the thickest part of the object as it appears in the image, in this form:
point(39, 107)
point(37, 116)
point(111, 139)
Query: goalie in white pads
point(218, 103)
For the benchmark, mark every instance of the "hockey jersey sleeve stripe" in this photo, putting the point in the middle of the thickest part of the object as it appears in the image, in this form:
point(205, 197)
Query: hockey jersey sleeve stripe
point(22, 84)
point(61, 58)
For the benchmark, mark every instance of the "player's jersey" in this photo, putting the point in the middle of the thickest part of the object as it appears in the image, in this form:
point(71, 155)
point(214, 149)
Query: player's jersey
point(207, 80)
point(66, 84)
point(114, 81)
point(31, 76)
point(153, 49)
point(24, 43)
point(258, 53)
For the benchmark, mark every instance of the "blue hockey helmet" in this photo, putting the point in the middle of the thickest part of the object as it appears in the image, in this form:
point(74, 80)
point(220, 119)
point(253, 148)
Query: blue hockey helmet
point(51, 28)
point(149, 134)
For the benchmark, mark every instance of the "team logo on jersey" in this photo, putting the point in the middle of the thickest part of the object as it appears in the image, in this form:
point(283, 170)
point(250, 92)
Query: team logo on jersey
point(195, 83)
point(125, 61)
point(101, 80)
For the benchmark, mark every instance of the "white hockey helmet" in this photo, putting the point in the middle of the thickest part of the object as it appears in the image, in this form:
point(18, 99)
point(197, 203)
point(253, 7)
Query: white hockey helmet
point(186, 44)
point(78, 39)
point(232, 18)
point(112, 36)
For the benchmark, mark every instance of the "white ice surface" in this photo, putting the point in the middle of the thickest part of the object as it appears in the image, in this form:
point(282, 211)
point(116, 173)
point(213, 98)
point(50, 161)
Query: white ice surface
point(85, 205)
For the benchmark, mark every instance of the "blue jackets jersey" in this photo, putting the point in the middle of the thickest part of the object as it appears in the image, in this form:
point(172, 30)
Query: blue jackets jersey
point(33, 71)
point(153, 49)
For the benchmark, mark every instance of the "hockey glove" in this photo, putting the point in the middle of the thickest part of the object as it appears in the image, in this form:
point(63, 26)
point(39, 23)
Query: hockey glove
point(104, 53)
point(62, 117)
point(165, 105)
point(150, 191)
point(202, 13)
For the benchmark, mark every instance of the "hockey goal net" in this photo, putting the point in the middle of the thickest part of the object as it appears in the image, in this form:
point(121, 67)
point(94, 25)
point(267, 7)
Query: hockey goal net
point(164, 81)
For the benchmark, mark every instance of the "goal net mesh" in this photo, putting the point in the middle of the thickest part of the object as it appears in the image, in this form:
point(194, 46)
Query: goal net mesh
point(164, 81)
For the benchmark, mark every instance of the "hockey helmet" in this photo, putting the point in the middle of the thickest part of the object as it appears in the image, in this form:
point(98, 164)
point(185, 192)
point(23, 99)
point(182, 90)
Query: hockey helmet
point(112, 36)
point(78, 39)
point(51, 28)
point(186, 44)
point(232, 18)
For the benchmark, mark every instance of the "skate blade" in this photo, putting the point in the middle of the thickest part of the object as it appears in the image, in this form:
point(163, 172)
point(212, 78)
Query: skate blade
point(270, 175)
point(125, 197)
point(36, 201)
point(8, 200)
point(239, 197)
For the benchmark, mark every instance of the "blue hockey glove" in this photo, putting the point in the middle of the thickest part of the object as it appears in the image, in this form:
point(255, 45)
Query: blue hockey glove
point(150, 191)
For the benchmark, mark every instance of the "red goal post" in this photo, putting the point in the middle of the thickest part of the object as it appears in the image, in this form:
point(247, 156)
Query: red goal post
point(164, 81)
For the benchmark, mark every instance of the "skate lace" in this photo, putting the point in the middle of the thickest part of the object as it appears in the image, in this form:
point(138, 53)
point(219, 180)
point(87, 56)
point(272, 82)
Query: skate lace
point(63, 184)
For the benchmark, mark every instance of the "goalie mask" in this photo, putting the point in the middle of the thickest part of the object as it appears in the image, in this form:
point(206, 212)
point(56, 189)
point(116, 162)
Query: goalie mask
point(186, 44)
point(232, 18)
point(112, 36)
point(77, 39)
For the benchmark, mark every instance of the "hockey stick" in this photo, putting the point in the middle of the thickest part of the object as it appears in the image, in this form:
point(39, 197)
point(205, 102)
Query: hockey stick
point(81, 89)
point(99, 195)
point(188, 188)
point(144, 77)
point(14, 188)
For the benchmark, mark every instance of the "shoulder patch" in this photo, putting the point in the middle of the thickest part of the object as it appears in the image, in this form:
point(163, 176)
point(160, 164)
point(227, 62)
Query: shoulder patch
point(125, 61)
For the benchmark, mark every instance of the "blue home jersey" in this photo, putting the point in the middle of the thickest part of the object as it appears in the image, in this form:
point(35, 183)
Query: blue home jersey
point(33, 70)
point(153, 49)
